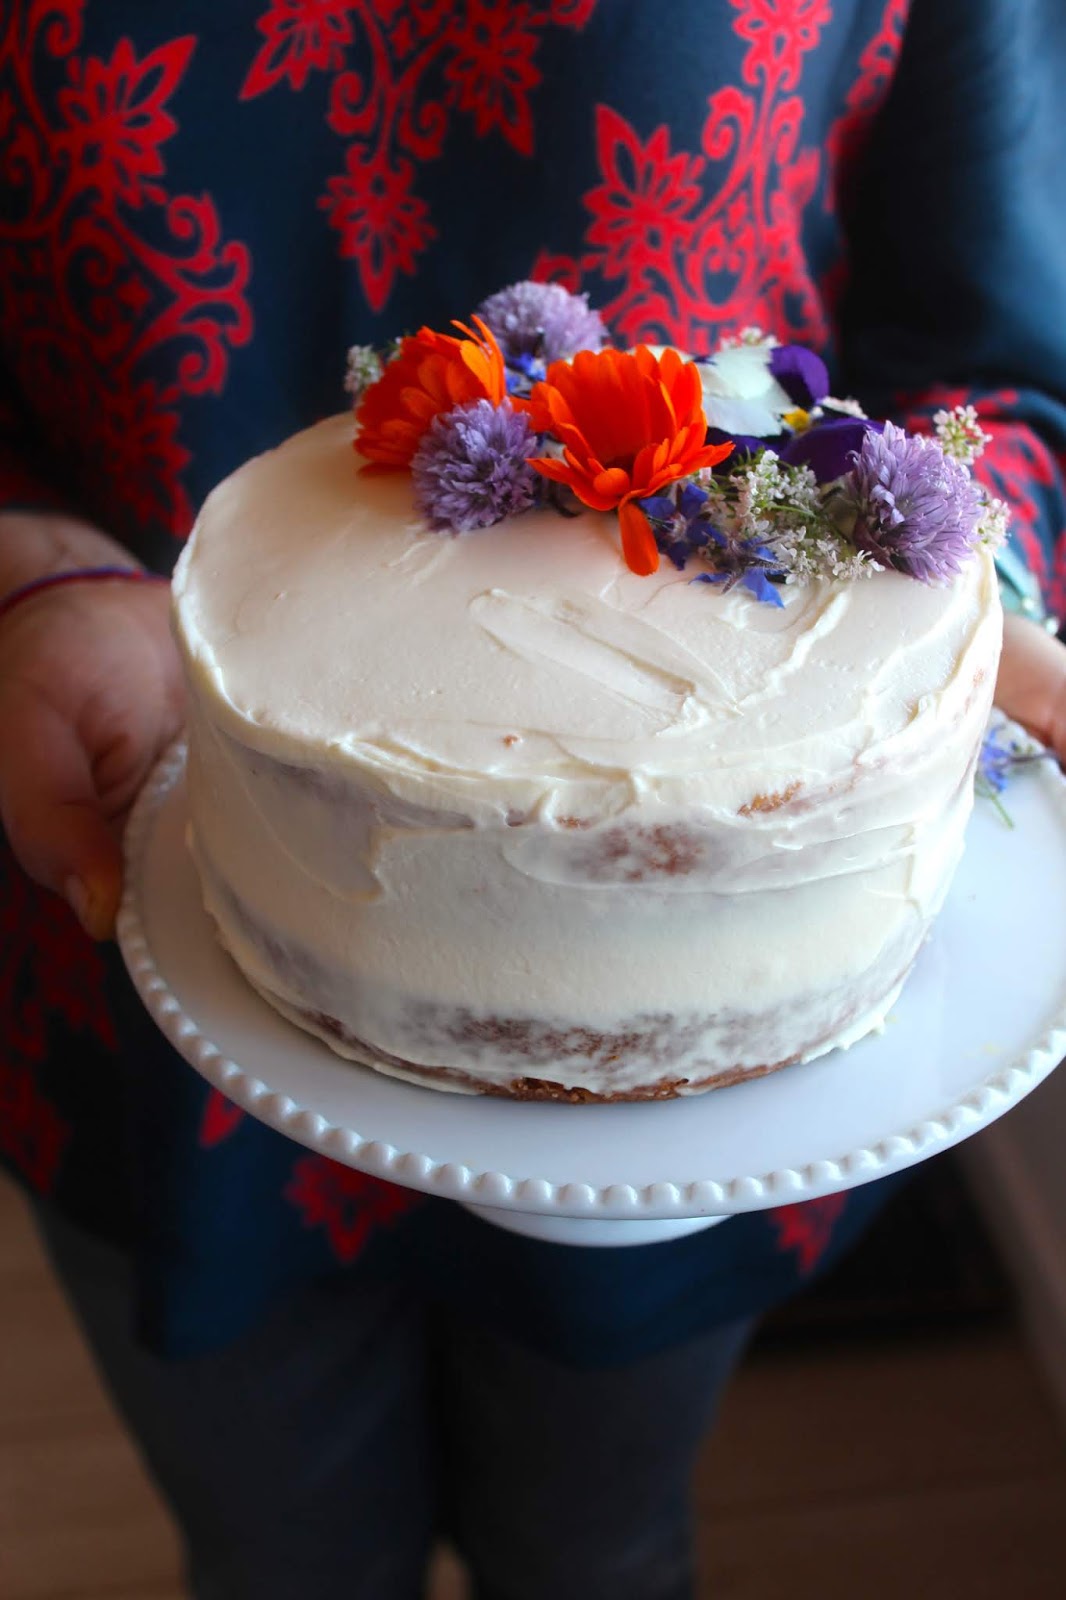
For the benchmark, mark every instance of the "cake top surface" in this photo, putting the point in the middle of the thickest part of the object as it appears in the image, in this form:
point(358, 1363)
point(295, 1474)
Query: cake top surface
point(332, 622)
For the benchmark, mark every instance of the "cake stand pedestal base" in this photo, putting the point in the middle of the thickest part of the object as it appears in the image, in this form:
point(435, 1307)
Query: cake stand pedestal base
point(591, 1231)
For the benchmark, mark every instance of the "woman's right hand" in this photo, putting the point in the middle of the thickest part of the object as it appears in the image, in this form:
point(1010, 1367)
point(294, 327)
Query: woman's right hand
point(90, 693)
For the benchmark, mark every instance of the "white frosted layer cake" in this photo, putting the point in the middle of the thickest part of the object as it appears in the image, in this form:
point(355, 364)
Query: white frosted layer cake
point(494, 812)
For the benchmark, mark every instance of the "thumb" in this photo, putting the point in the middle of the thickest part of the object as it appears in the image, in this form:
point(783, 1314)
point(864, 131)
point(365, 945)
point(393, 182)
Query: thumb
point(51, 813)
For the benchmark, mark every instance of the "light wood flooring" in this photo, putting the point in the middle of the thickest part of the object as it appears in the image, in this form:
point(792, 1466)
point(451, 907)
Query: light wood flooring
point(906, 1471)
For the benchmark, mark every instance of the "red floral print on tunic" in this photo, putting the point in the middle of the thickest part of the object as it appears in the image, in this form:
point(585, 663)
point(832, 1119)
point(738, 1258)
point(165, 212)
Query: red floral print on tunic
point(220, 1118)
point(807, 1228)
point(301, 37)
point(348, 1204)
point(140, 274)
point(700, 245)
point(877, 66)
point(642, 213)
point(383, 226)
point(399, 69)
point(50, 970)
point(493, 70)
point(780, 33)
point(116, 120)
point(848, 136)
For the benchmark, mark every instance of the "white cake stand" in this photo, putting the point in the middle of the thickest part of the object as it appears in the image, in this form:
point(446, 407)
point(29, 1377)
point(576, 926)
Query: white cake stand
point(981, 1022)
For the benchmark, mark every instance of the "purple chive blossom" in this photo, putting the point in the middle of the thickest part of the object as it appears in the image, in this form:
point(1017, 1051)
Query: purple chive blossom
point(542, 320)
point(471, 469)
point(916, 510)
point(801, 374)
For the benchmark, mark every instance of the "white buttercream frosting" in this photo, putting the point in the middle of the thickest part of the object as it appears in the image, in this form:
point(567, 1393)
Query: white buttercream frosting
point(500, 777)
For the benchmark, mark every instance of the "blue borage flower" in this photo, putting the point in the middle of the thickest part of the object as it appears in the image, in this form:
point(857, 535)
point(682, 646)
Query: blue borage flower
point(1003, 752)
point(684, 529)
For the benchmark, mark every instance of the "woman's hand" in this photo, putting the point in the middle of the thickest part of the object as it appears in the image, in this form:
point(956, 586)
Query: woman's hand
point(90, 693)
point(1031, 687)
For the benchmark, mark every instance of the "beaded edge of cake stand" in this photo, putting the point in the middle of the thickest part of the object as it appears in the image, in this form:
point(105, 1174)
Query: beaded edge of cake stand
point(455, 1181)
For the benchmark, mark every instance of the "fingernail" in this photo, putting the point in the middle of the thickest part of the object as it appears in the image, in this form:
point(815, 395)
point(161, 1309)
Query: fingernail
point(79, 899)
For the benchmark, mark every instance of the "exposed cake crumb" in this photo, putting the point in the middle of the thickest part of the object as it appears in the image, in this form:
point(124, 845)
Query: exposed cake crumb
point(770, 802)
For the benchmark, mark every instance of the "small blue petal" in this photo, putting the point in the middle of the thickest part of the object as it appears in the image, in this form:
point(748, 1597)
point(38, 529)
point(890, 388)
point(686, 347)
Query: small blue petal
point(659, 506)
point(675, 550)
point(691, 499)
point(761, 551)
point(709, 577)
point(756, 581)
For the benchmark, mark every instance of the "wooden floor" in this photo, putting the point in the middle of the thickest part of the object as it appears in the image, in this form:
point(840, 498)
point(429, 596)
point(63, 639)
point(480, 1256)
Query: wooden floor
point(930, 1471)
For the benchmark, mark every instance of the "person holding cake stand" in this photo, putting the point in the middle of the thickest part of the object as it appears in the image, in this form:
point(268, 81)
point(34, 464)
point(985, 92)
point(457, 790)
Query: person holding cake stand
point(322, 1370)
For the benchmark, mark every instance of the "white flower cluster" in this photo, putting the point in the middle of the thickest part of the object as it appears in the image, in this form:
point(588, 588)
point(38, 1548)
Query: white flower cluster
point(994, 522)
point(363, 369)
point(749, 335)
point(784, 508)
point(960, 433)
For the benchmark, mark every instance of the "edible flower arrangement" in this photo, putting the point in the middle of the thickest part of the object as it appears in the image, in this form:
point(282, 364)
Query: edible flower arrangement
point(740, 464)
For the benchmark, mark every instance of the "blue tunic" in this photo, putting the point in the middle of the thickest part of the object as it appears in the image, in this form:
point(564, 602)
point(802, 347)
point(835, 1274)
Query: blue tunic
point(202, 206)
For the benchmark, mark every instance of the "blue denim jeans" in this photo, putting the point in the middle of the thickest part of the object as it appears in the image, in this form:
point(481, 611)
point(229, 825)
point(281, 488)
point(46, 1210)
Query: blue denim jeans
point(319, 1457)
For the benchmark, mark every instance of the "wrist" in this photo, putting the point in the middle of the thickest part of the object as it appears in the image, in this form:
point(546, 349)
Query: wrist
point(36, 545)
point(24, 593)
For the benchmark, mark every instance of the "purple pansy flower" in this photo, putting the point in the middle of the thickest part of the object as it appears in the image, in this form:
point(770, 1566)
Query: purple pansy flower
point(829, 448)
point(802, 374)
point(916, 510)
point(471, 469)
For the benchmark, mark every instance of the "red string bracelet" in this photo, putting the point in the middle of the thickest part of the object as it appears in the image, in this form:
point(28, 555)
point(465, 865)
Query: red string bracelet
point(53, 580)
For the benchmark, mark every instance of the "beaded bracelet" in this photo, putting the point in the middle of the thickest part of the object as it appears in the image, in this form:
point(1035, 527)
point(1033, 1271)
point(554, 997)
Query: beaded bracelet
point(53, 580)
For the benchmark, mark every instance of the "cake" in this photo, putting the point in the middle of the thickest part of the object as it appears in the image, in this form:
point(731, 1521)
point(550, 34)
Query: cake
point(494, 812)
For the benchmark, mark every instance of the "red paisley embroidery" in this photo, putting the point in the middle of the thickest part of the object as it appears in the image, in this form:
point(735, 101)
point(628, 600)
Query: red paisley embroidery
point(138, 273)
point(400, 69)
point(115, 120)
point(643, 210)
point(49, 969)
point(348, 1204)
point(220, 1118)
point(807, 1228)
point(492, 71)
point(383, 226)
point(302, 36)
point(700, 245)
point(780, 32)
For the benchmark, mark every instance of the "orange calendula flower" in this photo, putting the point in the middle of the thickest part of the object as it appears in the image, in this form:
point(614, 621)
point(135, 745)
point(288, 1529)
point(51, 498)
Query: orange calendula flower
point(630, 423)
point(431, 373)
